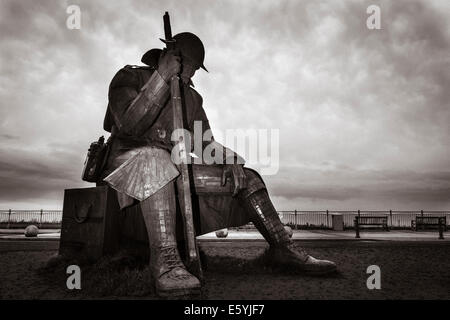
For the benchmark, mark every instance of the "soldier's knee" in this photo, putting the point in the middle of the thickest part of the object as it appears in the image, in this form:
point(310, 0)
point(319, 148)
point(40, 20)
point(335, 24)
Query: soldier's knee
point(254, 182)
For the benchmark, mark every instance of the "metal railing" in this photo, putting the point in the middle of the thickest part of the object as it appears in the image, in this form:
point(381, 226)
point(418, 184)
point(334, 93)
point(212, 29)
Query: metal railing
point(312, 219)
point(295, 218)
point(323, 219)
point(39, 217)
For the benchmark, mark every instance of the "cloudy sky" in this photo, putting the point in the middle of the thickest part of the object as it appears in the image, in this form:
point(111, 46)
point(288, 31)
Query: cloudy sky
point(363, 114)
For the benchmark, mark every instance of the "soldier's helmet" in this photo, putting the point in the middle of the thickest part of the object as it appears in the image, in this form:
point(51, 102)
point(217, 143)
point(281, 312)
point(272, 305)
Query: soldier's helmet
point(151, 57)
point(191, 47)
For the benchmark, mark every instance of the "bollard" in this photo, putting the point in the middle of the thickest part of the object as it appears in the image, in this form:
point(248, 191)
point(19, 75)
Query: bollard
point(328, 224)
point(390, 214)
point(296, 222)
point(357, 227)
point(40, 220)
point(441, 229)
point(9, 218)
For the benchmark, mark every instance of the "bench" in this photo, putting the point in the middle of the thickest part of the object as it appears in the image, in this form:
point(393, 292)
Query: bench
point(370, 221)
point(423, 222)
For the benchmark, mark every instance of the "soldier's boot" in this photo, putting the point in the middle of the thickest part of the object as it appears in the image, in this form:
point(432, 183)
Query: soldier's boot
point(168, 271)
point(282, 248)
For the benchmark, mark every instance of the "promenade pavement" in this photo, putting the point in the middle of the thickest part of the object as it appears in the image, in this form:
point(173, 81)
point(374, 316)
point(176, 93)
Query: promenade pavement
point(253, 235)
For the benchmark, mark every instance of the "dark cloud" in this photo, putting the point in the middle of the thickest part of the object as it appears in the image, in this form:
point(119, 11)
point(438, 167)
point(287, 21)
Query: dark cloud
point(363, 114)
point(345, 189)
point(8, 136)
point(29, 175)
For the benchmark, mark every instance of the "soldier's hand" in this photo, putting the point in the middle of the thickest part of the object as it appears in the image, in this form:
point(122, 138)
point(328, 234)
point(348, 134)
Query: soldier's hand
point(169, 64)
point(236, 172)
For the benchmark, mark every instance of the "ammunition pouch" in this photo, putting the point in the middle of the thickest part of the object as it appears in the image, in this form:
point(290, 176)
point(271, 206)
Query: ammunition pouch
point(95, 160)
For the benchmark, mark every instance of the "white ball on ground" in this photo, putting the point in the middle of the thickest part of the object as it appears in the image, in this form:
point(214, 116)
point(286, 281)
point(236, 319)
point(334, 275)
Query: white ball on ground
point(223, 233)
point(31, 231)
point(289, 231)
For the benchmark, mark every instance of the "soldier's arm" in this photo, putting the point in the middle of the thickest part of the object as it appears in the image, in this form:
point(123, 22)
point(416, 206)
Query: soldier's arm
point(135, 110)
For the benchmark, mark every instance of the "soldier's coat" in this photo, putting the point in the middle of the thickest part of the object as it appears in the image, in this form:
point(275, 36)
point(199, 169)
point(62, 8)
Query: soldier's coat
point(213, 205)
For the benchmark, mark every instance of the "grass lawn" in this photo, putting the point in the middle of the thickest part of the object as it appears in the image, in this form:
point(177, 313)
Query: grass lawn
point(419, 271)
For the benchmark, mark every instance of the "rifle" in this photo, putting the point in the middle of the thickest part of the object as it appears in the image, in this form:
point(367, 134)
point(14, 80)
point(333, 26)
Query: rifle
point(183, 183)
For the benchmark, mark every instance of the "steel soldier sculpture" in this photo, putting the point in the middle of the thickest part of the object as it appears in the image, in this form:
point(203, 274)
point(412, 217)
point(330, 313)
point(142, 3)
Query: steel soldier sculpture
point(139, 166)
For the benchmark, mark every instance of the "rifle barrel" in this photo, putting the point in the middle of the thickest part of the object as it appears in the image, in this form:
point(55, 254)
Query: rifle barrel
point(167, 28)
